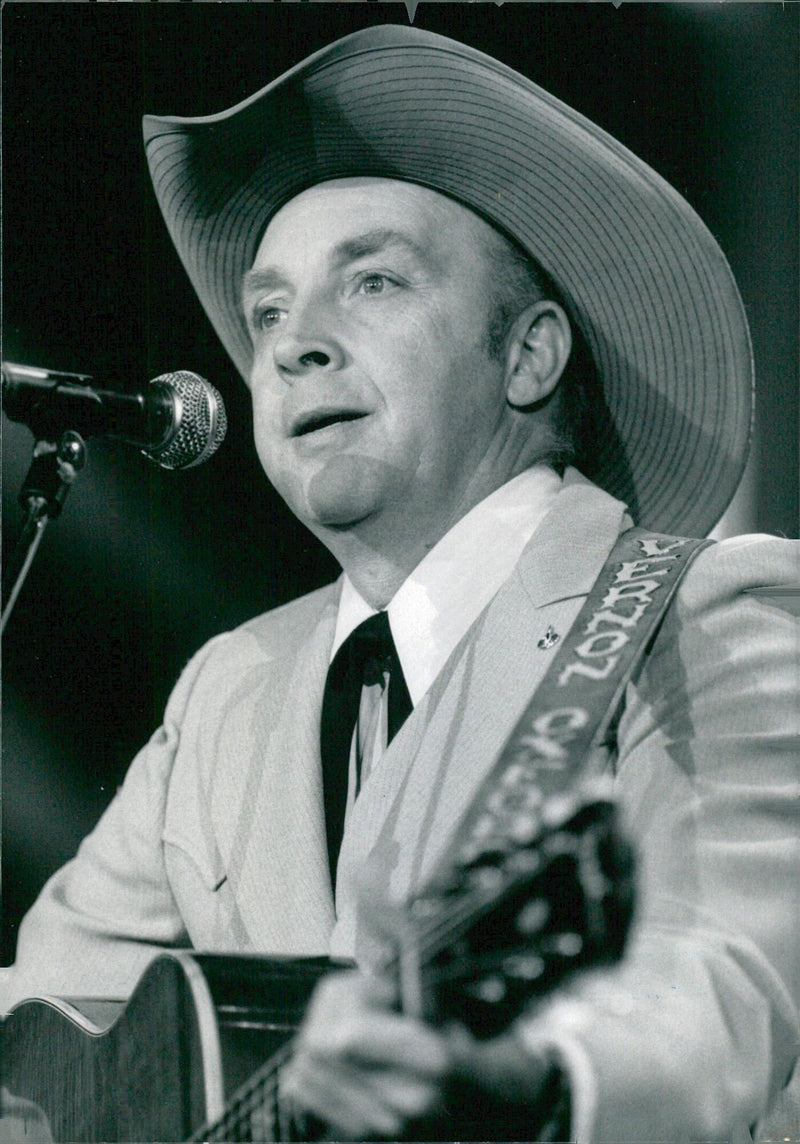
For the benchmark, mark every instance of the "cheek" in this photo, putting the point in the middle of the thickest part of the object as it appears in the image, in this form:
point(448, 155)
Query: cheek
point(266, 433)
point(452, 392)
point(416, 368)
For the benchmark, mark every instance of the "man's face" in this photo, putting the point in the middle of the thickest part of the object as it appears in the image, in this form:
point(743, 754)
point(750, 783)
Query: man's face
point(374, 390)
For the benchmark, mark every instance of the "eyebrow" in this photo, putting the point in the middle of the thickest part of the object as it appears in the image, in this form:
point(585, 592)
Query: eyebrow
point(345, 252)
point(374, 242)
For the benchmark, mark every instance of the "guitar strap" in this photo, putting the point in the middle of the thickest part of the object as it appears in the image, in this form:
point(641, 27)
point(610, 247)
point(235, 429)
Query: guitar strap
point(536, 781)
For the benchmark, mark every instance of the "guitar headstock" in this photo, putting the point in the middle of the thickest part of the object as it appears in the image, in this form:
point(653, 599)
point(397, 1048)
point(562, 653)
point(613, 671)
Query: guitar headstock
point(514, 921)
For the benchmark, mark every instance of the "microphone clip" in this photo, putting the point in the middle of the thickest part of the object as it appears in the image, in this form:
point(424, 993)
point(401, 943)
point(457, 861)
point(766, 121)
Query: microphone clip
point(52, 473)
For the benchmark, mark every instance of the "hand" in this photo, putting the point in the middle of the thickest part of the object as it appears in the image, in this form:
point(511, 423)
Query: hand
point(370, 1072)
point(361, 1067)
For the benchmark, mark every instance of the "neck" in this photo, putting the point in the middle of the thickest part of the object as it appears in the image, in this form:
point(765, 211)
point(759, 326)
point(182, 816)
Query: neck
point(380, 553)
point(377, 573)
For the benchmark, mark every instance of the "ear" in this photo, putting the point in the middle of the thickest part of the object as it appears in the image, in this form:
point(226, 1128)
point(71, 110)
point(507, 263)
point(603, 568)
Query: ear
point(539, 346)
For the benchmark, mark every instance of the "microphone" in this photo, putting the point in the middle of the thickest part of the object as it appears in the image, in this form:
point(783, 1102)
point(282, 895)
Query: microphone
point(178, 422)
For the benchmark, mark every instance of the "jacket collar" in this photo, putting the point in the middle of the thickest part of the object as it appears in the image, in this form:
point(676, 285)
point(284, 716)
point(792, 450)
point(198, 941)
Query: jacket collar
point(568, 549)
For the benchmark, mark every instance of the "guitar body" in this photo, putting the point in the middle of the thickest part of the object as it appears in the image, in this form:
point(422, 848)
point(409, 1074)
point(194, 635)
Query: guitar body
point(195, 1028)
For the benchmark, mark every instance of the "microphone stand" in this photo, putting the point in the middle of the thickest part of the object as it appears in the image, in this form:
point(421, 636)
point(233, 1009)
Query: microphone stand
point(53, 471)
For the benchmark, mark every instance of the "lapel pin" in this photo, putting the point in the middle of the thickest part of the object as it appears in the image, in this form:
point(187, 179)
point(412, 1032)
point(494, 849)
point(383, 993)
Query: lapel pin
point(549, 639)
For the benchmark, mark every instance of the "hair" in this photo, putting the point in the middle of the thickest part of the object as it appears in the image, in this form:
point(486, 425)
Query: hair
point(518, 280)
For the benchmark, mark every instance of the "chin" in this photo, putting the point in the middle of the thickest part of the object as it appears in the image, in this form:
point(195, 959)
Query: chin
point(348, 491)
point(336, 513)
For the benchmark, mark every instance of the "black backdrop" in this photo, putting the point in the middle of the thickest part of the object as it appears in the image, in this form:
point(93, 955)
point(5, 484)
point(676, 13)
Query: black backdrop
point(145, 565)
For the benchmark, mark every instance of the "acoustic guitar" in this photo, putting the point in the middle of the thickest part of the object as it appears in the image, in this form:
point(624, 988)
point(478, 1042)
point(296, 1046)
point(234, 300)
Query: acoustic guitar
point(196, 1054)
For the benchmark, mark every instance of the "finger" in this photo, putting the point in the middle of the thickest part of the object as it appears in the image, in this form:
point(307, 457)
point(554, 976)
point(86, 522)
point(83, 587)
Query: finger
point(332, 1070)
point(371, 1103)
point(348, 989)
point(354, 1108)
point(349, 1019)
point(389, 1042)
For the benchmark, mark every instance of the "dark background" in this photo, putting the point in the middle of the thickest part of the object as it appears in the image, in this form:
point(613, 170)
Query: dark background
point(145, 565)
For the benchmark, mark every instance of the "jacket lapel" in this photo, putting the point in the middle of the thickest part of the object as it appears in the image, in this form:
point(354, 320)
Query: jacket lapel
point(567, 551)
point(270, 813)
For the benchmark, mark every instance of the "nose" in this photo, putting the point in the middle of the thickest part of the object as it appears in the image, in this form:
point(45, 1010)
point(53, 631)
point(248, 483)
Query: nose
point(307, 342)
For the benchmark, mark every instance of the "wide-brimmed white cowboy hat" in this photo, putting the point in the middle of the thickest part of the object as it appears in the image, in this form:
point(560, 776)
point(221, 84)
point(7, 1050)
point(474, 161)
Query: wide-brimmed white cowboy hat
point(640, 273)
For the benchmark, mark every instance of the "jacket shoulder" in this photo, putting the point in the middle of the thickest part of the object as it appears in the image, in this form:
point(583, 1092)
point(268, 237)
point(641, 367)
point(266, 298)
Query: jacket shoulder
point(271, 633)
point(290, 621)
point(725, 655)
point(742, 568)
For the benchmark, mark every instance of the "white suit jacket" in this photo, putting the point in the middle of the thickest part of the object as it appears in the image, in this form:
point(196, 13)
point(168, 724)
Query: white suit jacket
point(217, 838)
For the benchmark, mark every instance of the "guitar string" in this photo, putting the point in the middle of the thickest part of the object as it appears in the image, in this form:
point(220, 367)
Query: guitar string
point(261, 1087)
point(264, 1083)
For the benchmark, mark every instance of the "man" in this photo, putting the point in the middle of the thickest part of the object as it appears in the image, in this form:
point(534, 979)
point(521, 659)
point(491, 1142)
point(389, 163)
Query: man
point(374, 238)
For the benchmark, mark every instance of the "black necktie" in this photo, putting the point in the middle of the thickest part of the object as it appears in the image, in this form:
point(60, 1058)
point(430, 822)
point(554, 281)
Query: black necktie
point(366, 657)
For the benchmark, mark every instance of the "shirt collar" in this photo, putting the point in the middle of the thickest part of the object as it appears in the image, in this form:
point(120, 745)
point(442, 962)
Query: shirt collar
point(455, 581)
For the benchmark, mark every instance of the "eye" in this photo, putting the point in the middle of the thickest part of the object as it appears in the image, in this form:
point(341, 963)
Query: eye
point(373, 283)
point(266, 317)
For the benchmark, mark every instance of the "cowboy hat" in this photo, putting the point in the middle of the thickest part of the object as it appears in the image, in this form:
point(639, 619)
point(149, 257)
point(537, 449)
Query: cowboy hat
point(640, 273)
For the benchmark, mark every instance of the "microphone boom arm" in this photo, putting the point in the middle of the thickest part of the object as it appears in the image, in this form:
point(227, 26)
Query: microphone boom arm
point(52, 472)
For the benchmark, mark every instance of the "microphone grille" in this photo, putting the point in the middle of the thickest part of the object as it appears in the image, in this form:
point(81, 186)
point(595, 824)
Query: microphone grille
point(199, 425)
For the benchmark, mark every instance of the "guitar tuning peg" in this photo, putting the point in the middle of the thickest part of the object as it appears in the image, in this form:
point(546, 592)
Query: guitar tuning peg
point(524, 829)
point(523, 966)
point(490, 989)
point(424, 908)
point(488, 878)
point(559, 808)
point(533, 916)
point(568, 944)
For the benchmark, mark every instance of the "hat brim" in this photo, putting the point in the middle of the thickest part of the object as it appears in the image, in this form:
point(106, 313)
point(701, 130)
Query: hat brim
point(639, 271)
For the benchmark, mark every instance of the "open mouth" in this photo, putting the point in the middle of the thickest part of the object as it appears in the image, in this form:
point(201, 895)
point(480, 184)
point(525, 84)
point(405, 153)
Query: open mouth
point(314, 423)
